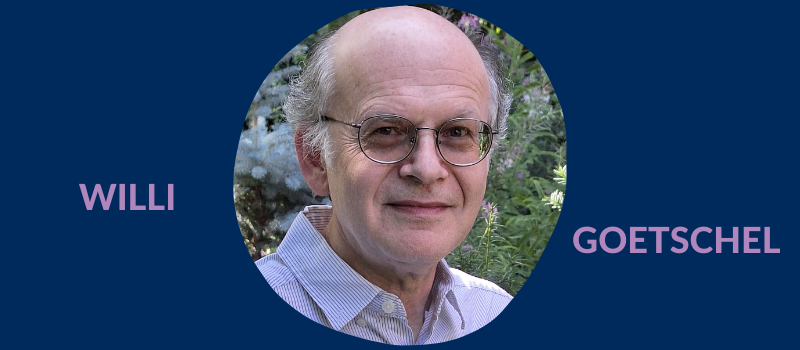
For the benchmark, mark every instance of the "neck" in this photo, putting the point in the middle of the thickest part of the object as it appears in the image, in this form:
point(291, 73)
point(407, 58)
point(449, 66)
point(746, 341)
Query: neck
point(411, 283)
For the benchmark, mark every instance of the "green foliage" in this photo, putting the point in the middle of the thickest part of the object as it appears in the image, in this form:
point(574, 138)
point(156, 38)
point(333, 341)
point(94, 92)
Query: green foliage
point(509, 237)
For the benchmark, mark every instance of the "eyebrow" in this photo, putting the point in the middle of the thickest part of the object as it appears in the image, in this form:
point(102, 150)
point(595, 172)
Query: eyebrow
point(460, 113)
point(463, 112)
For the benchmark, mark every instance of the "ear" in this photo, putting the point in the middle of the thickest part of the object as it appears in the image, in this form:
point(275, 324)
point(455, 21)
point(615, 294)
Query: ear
point(312, 166)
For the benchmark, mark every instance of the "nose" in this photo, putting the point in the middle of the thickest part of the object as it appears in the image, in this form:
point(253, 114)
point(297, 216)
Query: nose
point(425, 165)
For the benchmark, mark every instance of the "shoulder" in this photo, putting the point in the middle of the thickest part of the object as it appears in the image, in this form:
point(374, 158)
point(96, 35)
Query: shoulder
point(479, 300)
point(474, 284)
point(275, 271)
point(286, 285)
point(478, 290)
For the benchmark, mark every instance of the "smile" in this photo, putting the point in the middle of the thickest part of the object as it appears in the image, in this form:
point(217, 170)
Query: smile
point(419, 208)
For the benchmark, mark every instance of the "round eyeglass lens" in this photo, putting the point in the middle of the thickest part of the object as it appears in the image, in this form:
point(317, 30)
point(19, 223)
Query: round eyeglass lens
point(464, 141)
point(386, 139)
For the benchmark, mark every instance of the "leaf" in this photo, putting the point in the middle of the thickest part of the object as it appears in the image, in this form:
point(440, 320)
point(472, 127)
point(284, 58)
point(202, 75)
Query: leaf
point(526, 57)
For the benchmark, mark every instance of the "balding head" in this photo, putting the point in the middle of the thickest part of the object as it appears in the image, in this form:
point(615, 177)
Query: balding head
point(385, 47)
point(403, 36)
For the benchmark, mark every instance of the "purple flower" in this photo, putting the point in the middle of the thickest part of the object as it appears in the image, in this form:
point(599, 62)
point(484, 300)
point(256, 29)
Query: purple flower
point(486, 209)
point(466, 248)
point(468, 21)
point(520, 175)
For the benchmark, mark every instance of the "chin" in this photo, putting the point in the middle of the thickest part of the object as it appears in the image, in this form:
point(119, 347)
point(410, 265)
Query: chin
point(422, 246)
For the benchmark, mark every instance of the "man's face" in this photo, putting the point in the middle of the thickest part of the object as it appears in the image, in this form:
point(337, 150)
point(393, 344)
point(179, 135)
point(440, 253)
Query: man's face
point(416, 211)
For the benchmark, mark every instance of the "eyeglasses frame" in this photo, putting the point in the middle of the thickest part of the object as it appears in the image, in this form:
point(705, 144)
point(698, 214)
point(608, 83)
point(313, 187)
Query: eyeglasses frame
point(492, 132)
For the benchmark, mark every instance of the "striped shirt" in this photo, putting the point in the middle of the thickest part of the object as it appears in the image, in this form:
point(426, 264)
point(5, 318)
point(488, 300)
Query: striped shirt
point(316, 282)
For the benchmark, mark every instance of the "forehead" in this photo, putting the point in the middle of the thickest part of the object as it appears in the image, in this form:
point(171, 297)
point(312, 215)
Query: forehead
point(406, 53)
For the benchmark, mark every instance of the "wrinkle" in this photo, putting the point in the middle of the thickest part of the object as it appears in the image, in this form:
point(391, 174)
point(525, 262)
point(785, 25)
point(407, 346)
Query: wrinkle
point(472, 81)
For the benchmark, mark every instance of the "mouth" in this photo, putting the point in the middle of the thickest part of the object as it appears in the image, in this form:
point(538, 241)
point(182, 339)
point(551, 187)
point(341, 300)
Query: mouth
point(420, 208)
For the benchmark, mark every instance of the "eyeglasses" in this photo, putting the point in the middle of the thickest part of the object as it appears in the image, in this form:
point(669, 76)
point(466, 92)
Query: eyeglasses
point(388, 139)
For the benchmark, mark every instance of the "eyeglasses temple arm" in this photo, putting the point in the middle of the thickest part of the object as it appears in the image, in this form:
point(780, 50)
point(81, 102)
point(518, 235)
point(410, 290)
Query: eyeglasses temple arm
point(327, 118)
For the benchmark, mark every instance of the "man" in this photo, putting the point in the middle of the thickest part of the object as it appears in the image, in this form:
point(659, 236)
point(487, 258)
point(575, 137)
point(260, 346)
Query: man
point(394, 116)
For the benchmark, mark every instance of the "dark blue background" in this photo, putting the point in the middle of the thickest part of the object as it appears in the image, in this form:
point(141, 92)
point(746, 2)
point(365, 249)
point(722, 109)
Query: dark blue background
point(678, 114)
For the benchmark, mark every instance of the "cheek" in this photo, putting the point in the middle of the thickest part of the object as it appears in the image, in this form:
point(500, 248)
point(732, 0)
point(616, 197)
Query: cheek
point(473, 183)
point(356, 181)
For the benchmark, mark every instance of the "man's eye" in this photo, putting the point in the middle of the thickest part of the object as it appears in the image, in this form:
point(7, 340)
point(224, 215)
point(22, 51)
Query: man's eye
point(457, 132)
point(385, 130)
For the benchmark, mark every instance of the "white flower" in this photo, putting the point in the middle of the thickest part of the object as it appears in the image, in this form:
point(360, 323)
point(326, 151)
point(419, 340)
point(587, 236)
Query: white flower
point(557, 199)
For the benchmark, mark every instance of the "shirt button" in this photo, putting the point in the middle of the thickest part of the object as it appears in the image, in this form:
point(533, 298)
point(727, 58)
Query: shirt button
point(361, 322)
point(388, 306)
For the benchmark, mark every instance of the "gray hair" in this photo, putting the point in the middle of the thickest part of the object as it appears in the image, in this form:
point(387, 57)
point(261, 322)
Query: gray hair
point(310, 94)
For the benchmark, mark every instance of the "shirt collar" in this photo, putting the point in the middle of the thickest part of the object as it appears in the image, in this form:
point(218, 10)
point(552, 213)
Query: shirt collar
point(337, 289)
point(443, 284)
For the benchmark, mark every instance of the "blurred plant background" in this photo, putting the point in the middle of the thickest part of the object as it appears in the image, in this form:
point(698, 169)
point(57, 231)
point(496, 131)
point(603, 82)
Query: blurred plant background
point(527, 177)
